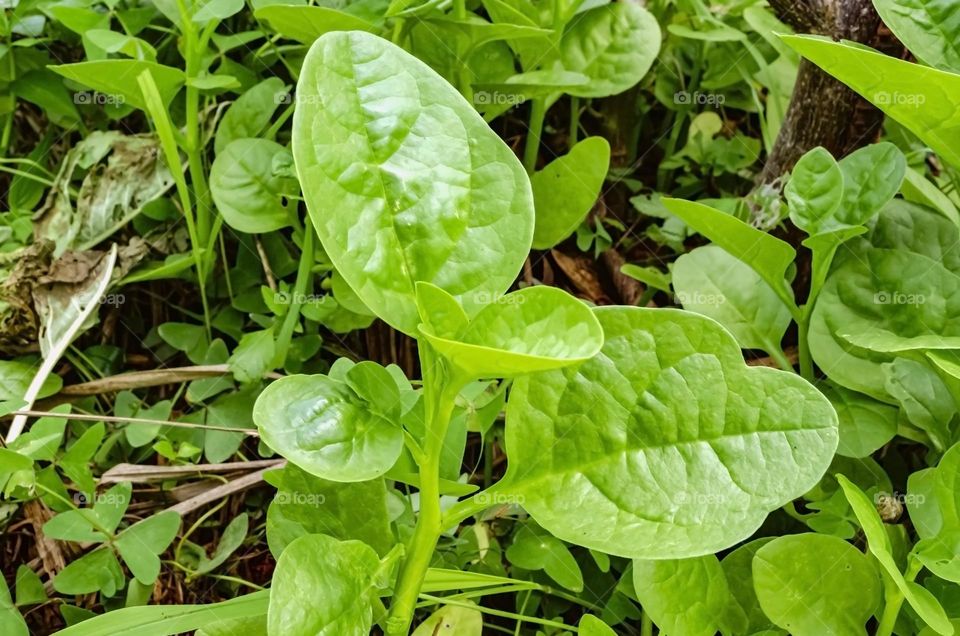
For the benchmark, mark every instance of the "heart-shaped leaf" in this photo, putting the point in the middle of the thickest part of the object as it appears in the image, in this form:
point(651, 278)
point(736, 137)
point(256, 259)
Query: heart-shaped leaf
point(533, 329)
point(614, 45)
point(404, 181)
point(665, 444)
point(683, 596)
point(324, 427)
point(566, 189)
point(897, 289)
point(814, 584)
point(249, 190)
point(325, 587)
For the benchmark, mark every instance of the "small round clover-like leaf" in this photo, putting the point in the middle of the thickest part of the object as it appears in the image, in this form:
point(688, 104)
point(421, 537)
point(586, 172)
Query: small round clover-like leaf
point(614, 45)
point(324, 427)
point(814, 584)
point(404, 181)
point(323, 587)
point(248, 189)
point(666, 444)
point(533, 329)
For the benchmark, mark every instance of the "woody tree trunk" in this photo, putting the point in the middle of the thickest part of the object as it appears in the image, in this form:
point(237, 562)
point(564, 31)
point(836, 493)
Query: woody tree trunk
point(822, 111)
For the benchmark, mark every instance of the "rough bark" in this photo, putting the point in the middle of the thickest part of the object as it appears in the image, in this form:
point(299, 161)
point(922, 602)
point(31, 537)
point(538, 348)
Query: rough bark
point(822, 111)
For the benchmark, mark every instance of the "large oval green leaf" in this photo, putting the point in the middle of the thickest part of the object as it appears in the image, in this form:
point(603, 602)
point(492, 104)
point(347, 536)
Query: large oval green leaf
point(404, 181)
point(323, 587)
point(614, 45)
point(323, 426)
point(665, 444)
point(533, 329)
point(814, 584)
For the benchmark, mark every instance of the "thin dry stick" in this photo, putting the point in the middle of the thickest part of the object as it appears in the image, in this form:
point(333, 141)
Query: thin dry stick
point(133, 420)
point(145, 379)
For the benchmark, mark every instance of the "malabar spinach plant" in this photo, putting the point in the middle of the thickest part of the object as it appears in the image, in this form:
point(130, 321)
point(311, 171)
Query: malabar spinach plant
point(428, 216)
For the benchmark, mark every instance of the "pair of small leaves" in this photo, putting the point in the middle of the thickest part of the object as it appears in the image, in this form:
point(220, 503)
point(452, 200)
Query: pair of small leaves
point(893, 291)
point(665, 444)
point(533, 329)
point(807, 584)
point(342, 428)
point(826, 196)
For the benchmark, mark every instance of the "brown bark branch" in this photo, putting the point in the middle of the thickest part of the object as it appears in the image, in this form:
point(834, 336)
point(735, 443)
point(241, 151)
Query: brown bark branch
point(822, 111)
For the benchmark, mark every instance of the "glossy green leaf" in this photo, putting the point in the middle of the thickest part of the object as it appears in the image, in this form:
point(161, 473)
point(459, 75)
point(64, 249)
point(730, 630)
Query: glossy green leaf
point(768, 256)
point(166, 620)
point(865, 423)
point(404, 181)
point(814, 584)
point(871, 178)
point(738, 569)
point(251, 113)
point(590, 625)
point(815, 191)
point(707, 445)
point(533, 329)
point(251, 194)
point(452, 620)
point(118, 79)
point(324, 427)
point(923, 398)
point(96, 571)
point(614, 45)
point(941, 555)
point(683, 596)
point(929, 28)
point(712, 282)
point(305, 504)
point(533, 548)
point(919, 97)
point(878, 541)
point(323, 587)
point(305, 23)
point(565, 191)
point(895, 289)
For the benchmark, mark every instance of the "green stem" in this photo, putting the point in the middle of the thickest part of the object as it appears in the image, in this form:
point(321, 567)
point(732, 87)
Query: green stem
point(574, 119)
point(538, 112)
point(646, 624)
point(776, 353)
point(300, 287)
point(493, 612)
point(803, 329)
point(440, 393)
point(893, 601)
